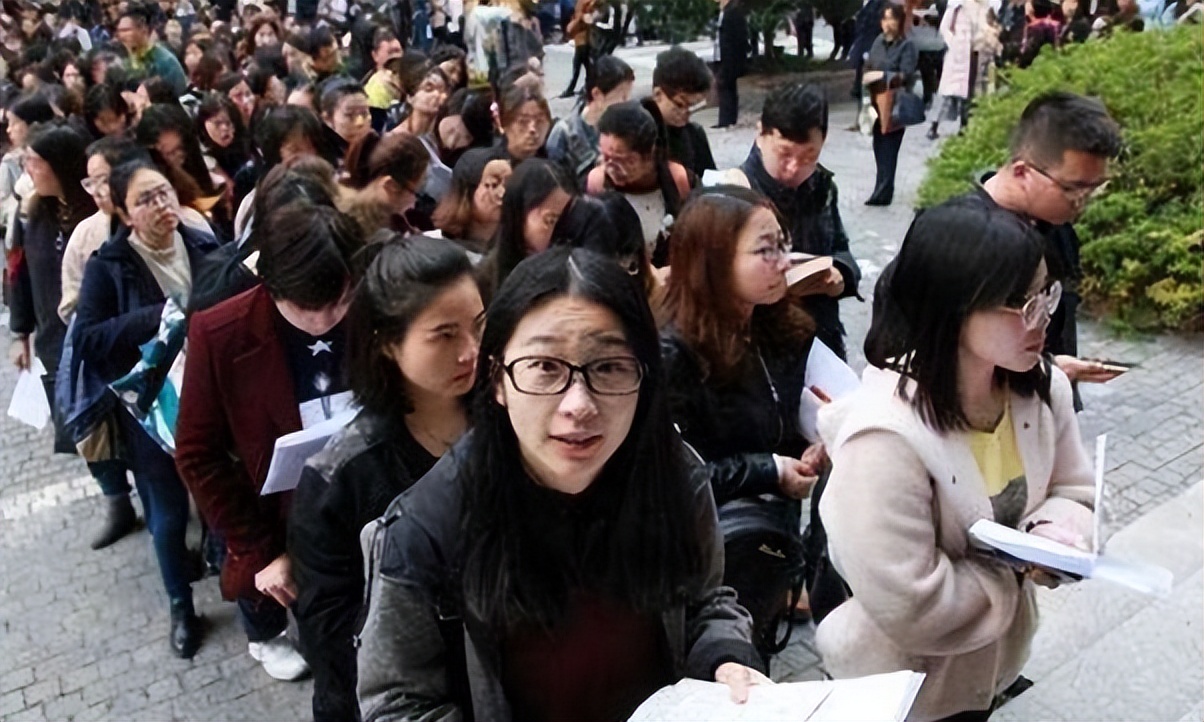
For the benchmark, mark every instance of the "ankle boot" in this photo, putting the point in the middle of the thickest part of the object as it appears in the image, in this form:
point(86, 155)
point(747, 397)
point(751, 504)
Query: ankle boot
point(185, 635)
point(119, 520)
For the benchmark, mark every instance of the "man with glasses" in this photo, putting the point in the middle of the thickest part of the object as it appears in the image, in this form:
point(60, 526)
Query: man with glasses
point(681, 82)
point(1060, 151)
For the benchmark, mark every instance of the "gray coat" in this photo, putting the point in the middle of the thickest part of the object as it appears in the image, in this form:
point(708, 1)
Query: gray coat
point(412, 628)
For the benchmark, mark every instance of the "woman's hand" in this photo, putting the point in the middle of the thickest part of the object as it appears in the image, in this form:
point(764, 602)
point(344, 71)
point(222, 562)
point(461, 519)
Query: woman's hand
point(1090, 372)
point(19, 354)
point(739, 678)
point(815, 458)
point(794, 476)
point(276, 581)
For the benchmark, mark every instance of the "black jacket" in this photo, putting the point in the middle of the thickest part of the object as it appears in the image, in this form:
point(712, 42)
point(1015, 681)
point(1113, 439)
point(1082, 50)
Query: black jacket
point(737, 427)
point(420, 659)
point(733, 40)
point(813, 212)
point(37, 285)
point(344, 487)
point(689, 146)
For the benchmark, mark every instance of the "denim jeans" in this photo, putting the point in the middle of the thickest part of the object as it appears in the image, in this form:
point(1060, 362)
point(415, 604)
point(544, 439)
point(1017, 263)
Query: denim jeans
point(164, 505)
point(110, 476)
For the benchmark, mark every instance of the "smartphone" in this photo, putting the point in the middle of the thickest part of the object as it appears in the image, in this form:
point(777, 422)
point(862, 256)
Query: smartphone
point(1114, 366)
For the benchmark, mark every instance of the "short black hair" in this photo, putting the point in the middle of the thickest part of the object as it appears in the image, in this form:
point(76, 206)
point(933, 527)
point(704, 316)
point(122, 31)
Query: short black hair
point(101, 98)
point(138, 12)
point(277, 124)
point(680, 71)
point(609, 73)
point(1056, 122)
point(794, 109)
point(307, 259)
point(334, 90)
point(121, 175)
point(404, 275)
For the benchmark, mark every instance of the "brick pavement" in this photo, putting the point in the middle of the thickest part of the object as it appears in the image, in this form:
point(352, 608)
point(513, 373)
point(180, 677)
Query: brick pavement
point(84, 632)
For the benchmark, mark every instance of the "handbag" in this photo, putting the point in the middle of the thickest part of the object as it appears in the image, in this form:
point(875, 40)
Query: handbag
point(907, 110)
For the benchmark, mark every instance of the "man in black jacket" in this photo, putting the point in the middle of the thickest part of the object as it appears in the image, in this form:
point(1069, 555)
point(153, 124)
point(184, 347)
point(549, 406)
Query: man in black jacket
point(680, 83)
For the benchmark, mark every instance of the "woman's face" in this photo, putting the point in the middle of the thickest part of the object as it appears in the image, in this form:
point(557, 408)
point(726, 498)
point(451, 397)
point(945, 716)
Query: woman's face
point(171, 146)
point(45, 182)
point(431, 94)
point(527, 130)
point(220, 129)
point(890, 25)
point(276, 92)
point(541, 221)
point(151, 205)
point(18, 130)
point(453, 134)
point(98, 183)
point(72, 78)
point(192, 56)
point(351, 118)
point(759, 266)
point(1000, 336)
point(487, 198)
point(403, 197)
point(244, 100)
point(565, 439)
point(622, 164)
point(295, 145)
point(454, 70)
point(386, 51)
point(266, 37)
point(172, 32)
point(438, 356)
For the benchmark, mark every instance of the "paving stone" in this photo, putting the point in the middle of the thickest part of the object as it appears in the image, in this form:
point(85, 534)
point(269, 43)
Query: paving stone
point(15, 680)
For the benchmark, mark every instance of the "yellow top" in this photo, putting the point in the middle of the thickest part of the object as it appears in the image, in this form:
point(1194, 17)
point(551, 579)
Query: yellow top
point(1002, 469)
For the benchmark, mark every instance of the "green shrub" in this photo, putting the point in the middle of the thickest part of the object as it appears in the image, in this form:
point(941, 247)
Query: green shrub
point(1143, 234)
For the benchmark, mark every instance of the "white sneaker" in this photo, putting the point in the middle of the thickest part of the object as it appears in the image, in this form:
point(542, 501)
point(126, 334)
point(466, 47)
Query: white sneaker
point(280, 659)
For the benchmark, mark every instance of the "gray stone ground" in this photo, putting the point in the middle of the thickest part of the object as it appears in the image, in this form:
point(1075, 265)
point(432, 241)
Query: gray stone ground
point(84, 632)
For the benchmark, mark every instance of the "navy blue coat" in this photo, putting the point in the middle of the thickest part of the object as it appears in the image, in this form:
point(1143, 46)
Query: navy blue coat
point(120, 303)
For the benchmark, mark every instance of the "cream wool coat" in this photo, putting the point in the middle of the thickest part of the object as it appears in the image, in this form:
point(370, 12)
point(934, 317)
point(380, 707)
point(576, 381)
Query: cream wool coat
point(897, 509)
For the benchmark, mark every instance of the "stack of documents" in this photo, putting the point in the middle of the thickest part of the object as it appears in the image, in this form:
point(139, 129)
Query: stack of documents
point(880, 697)
point(293, 450)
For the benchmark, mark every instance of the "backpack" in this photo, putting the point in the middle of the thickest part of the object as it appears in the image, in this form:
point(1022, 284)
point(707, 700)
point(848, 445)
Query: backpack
point(763, 553)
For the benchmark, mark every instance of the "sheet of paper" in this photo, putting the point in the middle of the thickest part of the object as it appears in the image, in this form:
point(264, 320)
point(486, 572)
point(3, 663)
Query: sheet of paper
point(293, 450)
point(692, 700)
point(876, 697)
point(316, 411)
point(827, 379)
point(30, 405)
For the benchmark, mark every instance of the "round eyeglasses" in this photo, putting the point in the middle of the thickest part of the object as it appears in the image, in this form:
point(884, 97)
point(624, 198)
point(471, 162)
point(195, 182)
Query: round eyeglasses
point(1039, 307)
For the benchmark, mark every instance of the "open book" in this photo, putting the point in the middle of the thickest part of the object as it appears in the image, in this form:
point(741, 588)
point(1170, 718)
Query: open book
point(1021, 549)
point(878, 697)
point(293, 450)
point(806, 267)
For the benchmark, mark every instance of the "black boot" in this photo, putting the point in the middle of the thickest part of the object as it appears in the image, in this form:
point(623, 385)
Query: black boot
point(185, 637)
point(932, 132)
point(119, 520)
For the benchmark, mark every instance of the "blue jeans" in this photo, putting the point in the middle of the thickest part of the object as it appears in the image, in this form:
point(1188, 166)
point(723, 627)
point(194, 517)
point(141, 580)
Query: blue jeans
point(165, 506)
point(110, 476)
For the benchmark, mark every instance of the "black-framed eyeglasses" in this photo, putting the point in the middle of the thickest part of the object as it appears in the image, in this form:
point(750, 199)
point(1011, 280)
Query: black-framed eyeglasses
point(162, 195)
point(550, 376)
point(1040, 306)
point(1077, 193)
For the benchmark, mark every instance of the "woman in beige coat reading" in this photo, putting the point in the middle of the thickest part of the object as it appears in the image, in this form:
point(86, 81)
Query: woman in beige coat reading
point(959, 418)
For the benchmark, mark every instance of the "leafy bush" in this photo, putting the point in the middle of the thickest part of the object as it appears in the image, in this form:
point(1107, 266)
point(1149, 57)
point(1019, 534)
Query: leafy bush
point(1143, 234)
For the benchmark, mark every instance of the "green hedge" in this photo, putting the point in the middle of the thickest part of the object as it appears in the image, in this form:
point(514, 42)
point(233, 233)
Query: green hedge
point(1142, 236)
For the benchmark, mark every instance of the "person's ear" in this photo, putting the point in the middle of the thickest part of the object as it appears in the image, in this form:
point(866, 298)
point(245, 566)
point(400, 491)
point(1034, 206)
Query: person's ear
point(121, 214)
point(499, 390)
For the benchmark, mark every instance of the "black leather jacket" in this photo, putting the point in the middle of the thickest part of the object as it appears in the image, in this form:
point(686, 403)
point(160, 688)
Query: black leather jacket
point(737, 427)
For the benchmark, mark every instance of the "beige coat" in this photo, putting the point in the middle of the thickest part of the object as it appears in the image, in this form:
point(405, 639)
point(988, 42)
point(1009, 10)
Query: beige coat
point(897, 509)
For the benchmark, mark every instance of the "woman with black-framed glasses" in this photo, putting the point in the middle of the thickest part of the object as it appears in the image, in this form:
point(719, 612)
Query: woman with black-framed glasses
point(561, 561)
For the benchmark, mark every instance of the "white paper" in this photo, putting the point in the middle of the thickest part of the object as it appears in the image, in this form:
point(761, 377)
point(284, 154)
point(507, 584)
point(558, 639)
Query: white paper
point(1097, 537)
point(826, 376)
point(30, 405)
point(692, 700)
point(293, 450)
point(1139, 576)
point(317, 411)
point(876, 697)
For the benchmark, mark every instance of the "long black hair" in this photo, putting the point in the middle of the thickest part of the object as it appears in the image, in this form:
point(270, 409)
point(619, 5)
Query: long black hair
point(532, 182)
point(233, 157)
point(653, 547)
point(162, 118)
point(63, 147)
point(959, 257)
point(405, 274)
point(640, 125)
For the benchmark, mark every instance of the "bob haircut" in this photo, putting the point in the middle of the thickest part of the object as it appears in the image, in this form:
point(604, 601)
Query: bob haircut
point(405, 274)
point(958, 258)
point(699, 299)
point(279, 124)
point(515, 97)
point(120, 177)
point(307, 258)
point(161, 118)
point(654, 549)
point(453, 215)
point(531, 183)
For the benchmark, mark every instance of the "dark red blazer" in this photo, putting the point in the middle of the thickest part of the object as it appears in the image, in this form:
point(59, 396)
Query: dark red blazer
point(237, 399)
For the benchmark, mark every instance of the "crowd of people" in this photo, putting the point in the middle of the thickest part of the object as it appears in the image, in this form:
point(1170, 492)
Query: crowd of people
point(565, 360)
